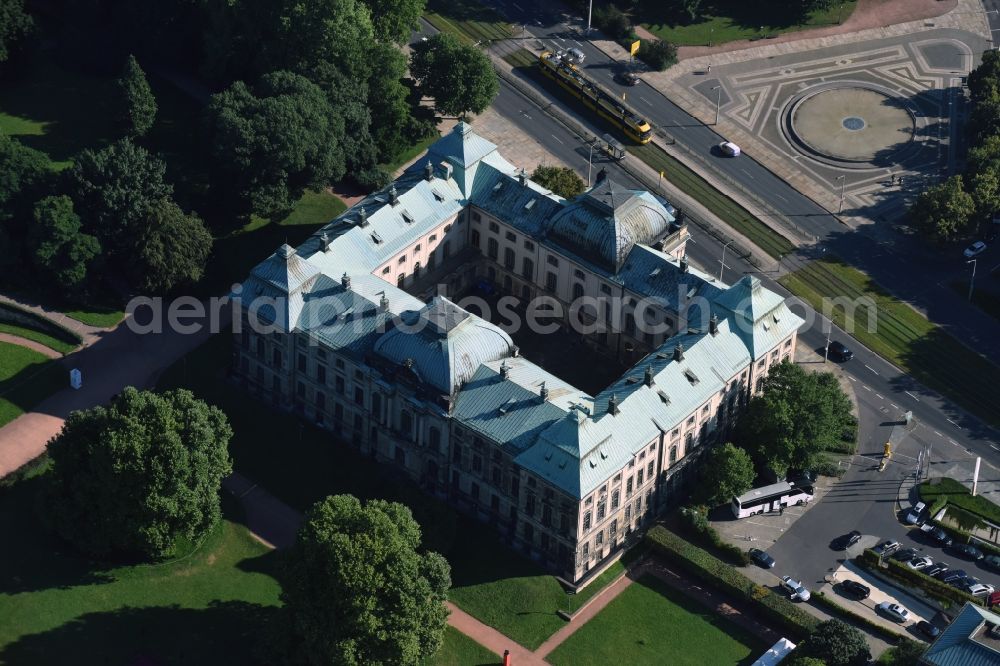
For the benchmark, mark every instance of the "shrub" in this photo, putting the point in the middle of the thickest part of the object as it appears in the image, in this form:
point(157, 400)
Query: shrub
point(612, 21)
point(374, 178)
point(837, 609)
point(658, 54)
point(18, 316)
point(912, 578)
point(716, 573)
point(694, 522)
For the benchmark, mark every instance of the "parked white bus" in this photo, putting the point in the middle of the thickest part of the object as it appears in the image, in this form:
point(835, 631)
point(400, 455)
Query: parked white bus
point(769, 498)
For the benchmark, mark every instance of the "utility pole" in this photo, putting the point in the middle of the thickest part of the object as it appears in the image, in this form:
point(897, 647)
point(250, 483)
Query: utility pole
point(826, 349)
point(972, 280)
point(722, 263)
point(590, 11)
point(590, 161)
point(718, 101)
point(843, 184)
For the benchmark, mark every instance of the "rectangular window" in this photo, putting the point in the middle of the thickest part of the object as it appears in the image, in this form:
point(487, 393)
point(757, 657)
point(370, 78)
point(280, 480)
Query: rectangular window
point(614, 500)
point(551, 281)
point(601, 510)
point(456, 453)
point(552, 261)
point(338, 383)
point(579, 274)
point(510, 236)
point(495, 472)
point(515, 487)
point(494, 227)
point(528, 269)
point(276, 358)
point(321, 374)
point(649, 470)
point(359, 396)
point(605, 289)
point(638, 478)
point(402, 259)
point(320, 401)
point(528, 245)
point(586, 521)
point(475, 217)
point(529, 505)
point(477, 464)
point(508, 259)
point(628, 487)
point(492, 248)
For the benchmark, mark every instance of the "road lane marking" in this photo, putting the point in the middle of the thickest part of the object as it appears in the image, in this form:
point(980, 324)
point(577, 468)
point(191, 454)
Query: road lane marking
point(871, 368)
point(954, 442)
point(577, 43)
point(912, 396)
point(557, 139)
point(951, 422)
point(879, 396)
point(894, 405)
point(938, 434)
point(517, 7)
point(645, 100)
point(865, 387)
point(995, 447)
point(853, 379)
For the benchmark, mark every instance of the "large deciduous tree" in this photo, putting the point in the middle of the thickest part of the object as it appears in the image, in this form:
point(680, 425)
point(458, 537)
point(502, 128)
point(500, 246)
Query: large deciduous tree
point(359, 591)
point(836, 644)
point(460, 78)
point(23, 171)
point(136, 476)
point(58, 248)
point(561, 180)
point(174, 248)
point(310, 35)
point(113, 189)
point(276, 140)
point(15, 24)
point(395, 20)
point(943, 211)
point(728, 473)
point(796, 415)
point(137, 105)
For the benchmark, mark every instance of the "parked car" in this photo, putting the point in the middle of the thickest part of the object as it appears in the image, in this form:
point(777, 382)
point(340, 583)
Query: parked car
point(974, 249)
point(761, 559)
point(730, 149)
point(928, 629)
point(980, 590)
point(887, 548)
point(627, 78)
point(919, 563)
point(848, 540)
point(855, 589)
point(993, 600)
point(906, 555)
point(953, 574)
point(967, 551)
point(893, 611)
point(992, 562)
point(936, 568)
point(963, 583)
point(576, 56)
point(915, 516)
point(794, 588)
point(838, 351)
point(940, 537)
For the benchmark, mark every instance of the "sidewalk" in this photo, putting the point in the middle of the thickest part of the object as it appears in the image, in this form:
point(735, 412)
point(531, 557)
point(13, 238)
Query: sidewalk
point(30, 344)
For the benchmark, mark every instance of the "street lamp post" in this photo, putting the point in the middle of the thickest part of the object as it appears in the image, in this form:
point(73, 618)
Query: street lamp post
point(590, 161)
point(590, 11)
point(722, 262)
point(710, 29)
point(826, 348)
point(718, 101)
point(972, 280)
point(843, 184)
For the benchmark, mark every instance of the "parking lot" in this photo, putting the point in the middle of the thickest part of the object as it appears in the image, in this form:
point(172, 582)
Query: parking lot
point(925, 545)
point(880, 591)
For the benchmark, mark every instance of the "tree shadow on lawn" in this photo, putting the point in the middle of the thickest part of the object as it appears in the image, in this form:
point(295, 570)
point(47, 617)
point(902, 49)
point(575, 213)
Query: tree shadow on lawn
point(33, 559)
point(227, 632)
point(744, 15)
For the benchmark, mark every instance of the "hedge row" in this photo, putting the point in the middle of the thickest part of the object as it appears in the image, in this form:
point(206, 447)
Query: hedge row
point(694, 521)
point(716, 573)
point(958, 534)
point(890, 636)
point(907, 576)
point(14, 314)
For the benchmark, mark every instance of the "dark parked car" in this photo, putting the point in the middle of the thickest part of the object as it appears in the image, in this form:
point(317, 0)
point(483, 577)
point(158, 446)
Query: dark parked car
point(936, 568)
point(953, 574)
point(627, 78)
point(967, 551)
point(838, 351)
point(887, 548)
point(856, 589)
point(939, 536)
point(928, 629)
point(761, 559)
point(992, 562)
point(848, 540)
point(905, 555)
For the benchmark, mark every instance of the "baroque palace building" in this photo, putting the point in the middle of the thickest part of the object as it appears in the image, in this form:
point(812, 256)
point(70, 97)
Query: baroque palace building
point(363, 340)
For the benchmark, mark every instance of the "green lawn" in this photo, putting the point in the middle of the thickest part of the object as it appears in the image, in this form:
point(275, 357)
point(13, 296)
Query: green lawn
point(57, 112)
point(57, 608)
point(39, 337)
point(958, 495)
point(490, 581)
point(902, 335)
point(411, 152)
point(730, 20)
point(467, 19)
point(26, 378)
point(986, 300)
point(649, 621)
point(460, 650)
point(96, 316)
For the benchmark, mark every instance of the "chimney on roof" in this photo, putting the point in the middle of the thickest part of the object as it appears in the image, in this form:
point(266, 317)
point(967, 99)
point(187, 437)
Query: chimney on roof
point(504, 370)
point(393, 198)
point(679, 352)
point(447, 169)
point(362, 217)
point(649, 375)
point(713, 325)
point(684, 264)
point(544, 392)
point(613, 404)
point(286, 251)
point(428, 171)
point(522, 177)
point(383, 303)
point(345, 281)
point(324, 242)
